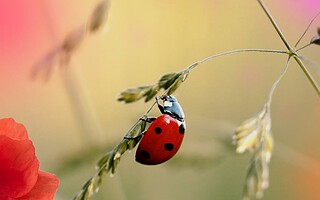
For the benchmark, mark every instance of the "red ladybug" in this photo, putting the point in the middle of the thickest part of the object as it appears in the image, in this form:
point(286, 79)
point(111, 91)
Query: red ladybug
point(164, 136)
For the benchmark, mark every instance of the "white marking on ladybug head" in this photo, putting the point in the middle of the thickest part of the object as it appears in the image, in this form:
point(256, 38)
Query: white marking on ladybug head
point(167, 104)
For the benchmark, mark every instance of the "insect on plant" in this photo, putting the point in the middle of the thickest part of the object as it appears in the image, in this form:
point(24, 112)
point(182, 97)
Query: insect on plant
point(163, 138)
point(159, 139)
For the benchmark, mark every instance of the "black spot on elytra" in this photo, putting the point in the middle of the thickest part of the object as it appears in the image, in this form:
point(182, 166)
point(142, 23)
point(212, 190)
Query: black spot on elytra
point(182, 129)
point(145, 154)
point(168, 146)
point(158, 130)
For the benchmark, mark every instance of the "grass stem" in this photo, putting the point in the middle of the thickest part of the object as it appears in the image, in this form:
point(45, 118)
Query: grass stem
point(233, 52)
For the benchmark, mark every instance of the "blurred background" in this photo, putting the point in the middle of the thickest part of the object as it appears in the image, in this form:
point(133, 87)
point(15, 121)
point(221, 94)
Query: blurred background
point(73, 117)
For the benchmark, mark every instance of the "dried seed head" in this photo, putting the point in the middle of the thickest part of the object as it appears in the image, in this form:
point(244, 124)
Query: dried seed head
point(249, 134)
point(255, 135)
point(268, 147)
point(257, 179)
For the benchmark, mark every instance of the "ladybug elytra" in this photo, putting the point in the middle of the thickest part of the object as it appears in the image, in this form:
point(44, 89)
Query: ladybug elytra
point(164, 136)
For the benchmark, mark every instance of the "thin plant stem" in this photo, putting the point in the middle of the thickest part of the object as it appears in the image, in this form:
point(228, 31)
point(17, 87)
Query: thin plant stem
point(310, 63)
point(233, 52)
point(291, 52)
point(307, 73)
point(82, 103)
point(193, 65)
point(305, 31)
point(149, 109)
point(275, 84)
point(275, 25)
point(303, 47)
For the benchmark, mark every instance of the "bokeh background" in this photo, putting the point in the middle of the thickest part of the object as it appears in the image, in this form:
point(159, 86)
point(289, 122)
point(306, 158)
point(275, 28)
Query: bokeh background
point(73, 118)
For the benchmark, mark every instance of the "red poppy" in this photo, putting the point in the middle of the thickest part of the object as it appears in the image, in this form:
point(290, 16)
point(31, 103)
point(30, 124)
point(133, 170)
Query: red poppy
point(20, 177)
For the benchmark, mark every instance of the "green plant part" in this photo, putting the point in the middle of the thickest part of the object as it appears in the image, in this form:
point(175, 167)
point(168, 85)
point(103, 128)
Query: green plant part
point(109, 162)
point(168, 82)
point(134, 94)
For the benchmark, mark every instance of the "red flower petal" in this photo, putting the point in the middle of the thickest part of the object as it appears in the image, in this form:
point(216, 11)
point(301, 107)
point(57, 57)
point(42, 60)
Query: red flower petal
point(18, 165)
point(12, 129)
point(44, 189)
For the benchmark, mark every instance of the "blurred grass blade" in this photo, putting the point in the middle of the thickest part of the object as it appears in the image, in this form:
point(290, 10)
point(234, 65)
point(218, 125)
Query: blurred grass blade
point(98, 16)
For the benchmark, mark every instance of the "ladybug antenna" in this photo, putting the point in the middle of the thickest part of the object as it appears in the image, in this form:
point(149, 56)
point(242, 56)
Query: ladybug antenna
point(169, 98)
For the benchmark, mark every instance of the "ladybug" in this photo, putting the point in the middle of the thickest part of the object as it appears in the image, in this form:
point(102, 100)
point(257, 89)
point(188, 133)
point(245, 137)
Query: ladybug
point(164, 136)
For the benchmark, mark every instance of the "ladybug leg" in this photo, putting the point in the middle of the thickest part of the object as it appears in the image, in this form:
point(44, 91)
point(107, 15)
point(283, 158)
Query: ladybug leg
point(161, 108)
point(138, 138)
point(148, 119)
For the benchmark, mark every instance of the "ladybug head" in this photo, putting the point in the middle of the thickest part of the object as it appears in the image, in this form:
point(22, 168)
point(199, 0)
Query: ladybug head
point(172, 107)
